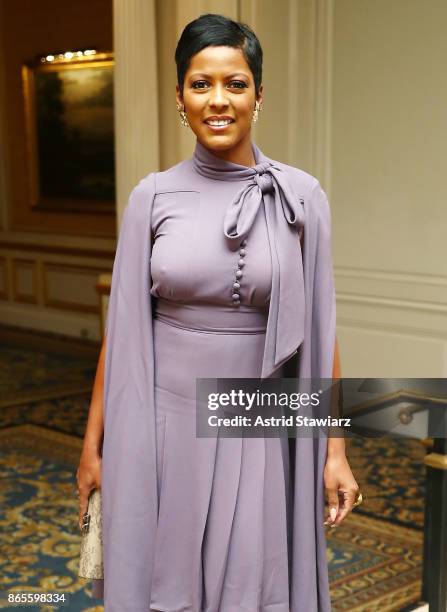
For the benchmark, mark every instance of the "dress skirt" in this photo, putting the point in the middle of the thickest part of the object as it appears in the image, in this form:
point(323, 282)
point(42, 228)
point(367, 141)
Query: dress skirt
point(224, 529)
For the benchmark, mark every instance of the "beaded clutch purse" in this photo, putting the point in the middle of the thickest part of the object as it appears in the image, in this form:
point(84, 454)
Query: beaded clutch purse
point(90, 560)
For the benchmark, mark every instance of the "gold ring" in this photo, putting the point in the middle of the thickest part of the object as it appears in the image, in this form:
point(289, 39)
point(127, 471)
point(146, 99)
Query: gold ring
point(358, 500)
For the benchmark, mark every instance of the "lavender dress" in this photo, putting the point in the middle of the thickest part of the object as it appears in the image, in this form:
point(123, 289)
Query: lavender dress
point(214, 524)
point(222, 531)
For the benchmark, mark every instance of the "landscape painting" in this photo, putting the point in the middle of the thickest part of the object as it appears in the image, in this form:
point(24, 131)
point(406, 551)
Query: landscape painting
point(70, 127)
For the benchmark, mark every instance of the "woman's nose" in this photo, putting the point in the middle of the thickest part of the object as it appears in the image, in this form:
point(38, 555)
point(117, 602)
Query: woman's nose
point(218, 96)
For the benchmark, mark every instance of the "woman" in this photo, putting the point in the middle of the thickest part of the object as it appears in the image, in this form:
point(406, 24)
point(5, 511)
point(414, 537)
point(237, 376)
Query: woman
point(209, 281)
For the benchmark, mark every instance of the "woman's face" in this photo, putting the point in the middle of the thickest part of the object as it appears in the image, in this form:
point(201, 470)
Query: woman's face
point(219, 86)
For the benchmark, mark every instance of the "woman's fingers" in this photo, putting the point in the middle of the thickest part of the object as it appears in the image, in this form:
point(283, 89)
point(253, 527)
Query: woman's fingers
point(88, 477)
point(333, 505)
point(347, 499)
point(83, 503)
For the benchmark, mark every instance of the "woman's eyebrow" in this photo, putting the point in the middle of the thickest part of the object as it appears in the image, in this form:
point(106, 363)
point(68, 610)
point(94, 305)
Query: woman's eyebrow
point(209, 76)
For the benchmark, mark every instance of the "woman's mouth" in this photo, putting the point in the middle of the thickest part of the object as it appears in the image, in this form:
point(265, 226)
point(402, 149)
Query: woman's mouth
point(217, 125)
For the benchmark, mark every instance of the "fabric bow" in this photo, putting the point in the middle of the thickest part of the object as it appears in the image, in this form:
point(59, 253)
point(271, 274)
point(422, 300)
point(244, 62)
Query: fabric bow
point(284, 213)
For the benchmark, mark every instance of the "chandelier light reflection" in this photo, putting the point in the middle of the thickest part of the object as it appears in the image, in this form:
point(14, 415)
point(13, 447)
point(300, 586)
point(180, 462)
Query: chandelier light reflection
point(68, 56)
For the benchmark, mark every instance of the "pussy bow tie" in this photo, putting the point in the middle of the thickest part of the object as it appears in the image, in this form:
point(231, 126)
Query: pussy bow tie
point(284, 214)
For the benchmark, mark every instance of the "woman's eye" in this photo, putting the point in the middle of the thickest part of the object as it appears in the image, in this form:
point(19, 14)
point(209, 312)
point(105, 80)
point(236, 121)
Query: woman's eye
point(203, 84)
point(197, 84)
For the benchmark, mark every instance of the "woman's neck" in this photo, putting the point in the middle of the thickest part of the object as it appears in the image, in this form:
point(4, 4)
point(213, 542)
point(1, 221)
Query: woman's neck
point(241, 154)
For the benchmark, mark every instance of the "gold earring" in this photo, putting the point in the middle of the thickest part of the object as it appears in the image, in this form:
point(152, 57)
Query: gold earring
point(183, 117)
point(258, 108)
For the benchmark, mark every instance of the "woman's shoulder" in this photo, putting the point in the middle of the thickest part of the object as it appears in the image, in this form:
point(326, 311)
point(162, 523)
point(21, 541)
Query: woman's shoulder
point(301, 179)
point(170, 179)
point(143, 195)
point(309, 188)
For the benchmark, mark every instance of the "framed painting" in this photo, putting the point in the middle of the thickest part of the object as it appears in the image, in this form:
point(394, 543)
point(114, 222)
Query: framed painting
point(70, 132)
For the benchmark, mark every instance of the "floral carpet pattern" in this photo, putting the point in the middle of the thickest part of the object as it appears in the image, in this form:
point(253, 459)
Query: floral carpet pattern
point(391, 475)
point(373, 566)
point(39, 536)
point(374, 557)
point(66, 414)
point(27, 374)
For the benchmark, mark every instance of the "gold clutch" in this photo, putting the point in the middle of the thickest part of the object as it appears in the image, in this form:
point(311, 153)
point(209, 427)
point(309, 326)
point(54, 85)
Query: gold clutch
point(90, 560)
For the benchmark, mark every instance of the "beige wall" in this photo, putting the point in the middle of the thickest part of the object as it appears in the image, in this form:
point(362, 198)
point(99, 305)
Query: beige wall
point(387, 163)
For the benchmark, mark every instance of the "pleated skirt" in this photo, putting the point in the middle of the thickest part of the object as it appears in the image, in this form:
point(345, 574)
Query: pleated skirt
point(224, 529)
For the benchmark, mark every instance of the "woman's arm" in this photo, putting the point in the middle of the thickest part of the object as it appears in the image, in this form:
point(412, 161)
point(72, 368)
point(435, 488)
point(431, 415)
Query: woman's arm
point(95, 423)
point(88, 475)
point(339, 480)
point(336, 445)
point(336, 370)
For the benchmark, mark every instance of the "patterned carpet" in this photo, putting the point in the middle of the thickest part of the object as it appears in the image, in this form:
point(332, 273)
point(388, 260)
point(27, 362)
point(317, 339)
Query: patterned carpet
point(374, 557)
point(64, 414)
point(374, 566)
point(31, 368)
point(39, 537)
point(391, 475)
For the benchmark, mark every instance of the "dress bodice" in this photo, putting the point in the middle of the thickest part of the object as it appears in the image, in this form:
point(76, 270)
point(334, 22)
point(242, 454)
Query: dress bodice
point(228, 234)
point(193, 261)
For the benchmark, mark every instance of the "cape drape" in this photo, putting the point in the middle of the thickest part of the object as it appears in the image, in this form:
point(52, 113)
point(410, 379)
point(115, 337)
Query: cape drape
point(129, 481)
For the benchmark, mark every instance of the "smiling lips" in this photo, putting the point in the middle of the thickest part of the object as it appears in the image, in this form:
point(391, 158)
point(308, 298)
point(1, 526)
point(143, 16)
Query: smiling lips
point(219, 123)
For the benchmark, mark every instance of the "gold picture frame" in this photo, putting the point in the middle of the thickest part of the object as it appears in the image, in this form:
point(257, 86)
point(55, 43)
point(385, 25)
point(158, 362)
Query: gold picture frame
point(68, 99)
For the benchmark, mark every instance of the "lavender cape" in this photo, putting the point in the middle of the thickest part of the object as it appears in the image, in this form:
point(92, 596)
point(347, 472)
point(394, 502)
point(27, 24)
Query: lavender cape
point(300, 333)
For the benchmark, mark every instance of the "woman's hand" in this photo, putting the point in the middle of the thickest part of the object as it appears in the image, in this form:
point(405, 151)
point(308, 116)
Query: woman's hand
point(341, 488)
point(88, 477)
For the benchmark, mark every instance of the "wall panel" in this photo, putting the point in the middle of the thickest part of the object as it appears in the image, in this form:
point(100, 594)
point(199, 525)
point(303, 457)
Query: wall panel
point(389, 94)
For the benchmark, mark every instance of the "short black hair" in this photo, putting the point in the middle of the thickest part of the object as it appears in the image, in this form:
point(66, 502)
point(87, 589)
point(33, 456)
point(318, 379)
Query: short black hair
point(217, 30)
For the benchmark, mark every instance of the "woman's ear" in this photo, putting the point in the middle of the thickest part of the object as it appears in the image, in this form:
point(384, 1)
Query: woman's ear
point(260, 97)
point(178, 96)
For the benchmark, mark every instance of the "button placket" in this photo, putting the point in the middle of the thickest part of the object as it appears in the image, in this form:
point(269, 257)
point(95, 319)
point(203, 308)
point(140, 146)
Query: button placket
point(237, 283)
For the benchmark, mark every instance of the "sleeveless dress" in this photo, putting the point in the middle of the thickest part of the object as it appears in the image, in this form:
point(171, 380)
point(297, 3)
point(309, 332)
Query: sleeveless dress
point(222, 532)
